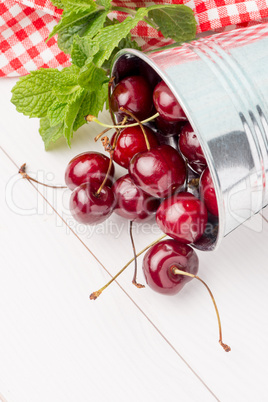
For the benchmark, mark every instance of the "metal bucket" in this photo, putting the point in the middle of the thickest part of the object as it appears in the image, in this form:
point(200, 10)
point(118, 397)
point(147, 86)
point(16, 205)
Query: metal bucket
point(221, 81)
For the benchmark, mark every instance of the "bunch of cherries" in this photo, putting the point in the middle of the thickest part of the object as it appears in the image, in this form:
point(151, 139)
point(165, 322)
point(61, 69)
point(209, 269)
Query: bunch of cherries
point(171, 182)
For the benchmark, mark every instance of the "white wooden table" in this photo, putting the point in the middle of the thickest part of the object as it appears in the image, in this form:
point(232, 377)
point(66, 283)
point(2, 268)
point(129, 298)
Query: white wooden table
point(131, 344)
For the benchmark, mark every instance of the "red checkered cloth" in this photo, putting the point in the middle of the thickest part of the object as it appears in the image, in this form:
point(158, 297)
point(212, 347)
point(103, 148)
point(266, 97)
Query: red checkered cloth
point(26, 24)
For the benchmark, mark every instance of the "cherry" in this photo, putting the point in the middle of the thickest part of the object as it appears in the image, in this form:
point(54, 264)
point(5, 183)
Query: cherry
point(166, 104)
point(158, 172)
point(134, 94)
point(149, 74)
point(87, 166)
point(182, 217)
point(131, 141)
point(159, 261)
point(131, 202)
point(126, 66)
point(168, 128)
point(168, 266)
point(89, 205)
point(207, 192)
point(191, 149)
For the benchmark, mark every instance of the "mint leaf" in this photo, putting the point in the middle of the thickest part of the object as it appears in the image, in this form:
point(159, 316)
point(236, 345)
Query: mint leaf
point(71, 115)
point(175, 21)
point(109, 37)
point(93, 103)
point(88, 26)
point(57, 3)
point(50, 134)
point(33, 94)
point(104, 3)
point(82, 48)
point(72, 17)
point(92, 77)
point(56, 113)
point(66, 36)
point(78, 4)
point(66, 83)
point(95, 22)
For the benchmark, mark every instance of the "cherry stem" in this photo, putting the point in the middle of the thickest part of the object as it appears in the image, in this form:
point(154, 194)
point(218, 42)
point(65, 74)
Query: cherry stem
point(107, 175)
point(118, 132)
point(111, 150)
point(141, 126)
point(89, 118)
point(177, 271)
point(24, 175)
point(96, 294)
point(134, 280)
point(101, 134)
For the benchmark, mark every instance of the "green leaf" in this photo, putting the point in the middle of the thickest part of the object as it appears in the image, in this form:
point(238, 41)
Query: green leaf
point(33, 94)
point(57, 3)
point(50, 134)
point(66, 36)
point(82, 48)
point(175, 22)
point(78, 4)
point(88, 26)
point(56, 113)
point(93, 103)
point(66, 83)
point(72, 17)
point(109, 37)
point(71, 115)
point(104, 3)
point(92, 77)
point(95, 23)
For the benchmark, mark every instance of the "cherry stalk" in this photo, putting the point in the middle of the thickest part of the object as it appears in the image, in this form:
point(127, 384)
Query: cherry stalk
point(110, 149)
point(25, 175)
point(134, 280)
point(177, 271)
point(89, 118)
point(96, 294)
point(139, 123)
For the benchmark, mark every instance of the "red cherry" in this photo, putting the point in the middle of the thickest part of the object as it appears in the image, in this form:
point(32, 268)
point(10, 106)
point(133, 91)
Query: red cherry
point(86, 167)
point(167, 128)
point(134, 94)
point(149, 74)
point(131, 141)
point(190, 147)
point(159, 261)
point(207, 192)
point(158, 172)
point(182, 217)
point(131, 202)
point(166, 104)
point(89, 207)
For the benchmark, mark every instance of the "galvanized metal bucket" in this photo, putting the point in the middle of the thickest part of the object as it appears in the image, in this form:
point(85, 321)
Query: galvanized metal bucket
point(221, 81)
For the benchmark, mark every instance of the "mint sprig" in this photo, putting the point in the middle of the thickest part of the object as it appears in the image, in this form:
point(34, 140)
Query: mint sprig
point(61, 99)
